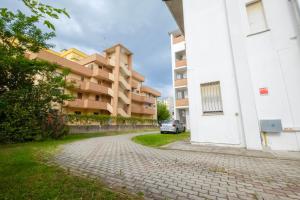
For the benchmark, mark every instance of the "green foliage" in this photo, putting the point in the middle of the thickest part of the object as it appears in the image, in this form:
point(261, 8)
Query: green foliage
point(40, 12)
point(108, 120)
point(28, 88)
point(162, 112)
point(158, 140)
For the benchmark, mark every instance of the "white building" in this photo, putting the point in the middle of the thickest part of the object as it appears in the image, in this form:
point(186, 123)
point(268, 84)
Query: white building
point(243, 66)
point(179, 76)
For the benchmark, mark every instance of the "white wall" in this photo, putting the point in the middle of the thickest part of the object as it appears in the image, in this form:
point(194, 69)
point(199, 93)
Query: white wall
point(209, 59)
point(275, 64)
point(219, 49)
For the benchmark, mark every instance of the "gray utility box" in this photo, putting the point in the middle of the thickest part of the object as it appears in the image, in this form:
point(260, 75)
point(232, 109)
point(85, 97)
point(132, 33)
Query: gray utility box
point(271, 126)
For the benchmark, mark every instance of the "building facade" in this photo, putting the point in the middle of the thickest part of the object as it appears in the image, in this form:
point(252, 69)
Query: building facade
point(103, 83)
point(243, 63)
point(179, 76)
point(169, 102)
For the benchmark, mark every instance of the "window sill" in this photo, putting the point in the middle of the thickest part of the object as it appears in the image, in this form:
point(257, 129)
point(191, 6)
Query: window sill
point(257, 33)
point(213, 114)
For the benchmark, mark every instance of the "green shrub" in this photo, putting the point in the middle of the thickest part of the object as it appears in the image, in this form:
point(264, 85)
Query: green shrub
point(109, 120)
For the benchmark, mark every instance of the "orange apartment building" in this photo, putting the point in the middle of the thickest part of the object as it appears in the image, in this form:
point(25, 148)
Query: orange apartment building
point(104, 83)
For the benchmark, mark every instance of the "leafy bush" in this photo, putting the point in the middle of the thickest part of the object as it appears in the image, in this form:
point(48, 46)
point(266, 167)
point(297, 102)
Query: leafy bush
point(28, 88)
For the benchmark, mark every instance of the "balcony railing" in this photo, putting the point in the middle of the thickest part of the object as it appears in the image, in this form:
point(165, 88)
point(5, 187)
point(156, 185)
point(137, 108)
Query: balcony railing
point(77, 103)
point(89, 104)
point(101, 74)
point(142, 110)
point(181, 63)
point(124, 98)
point(122, 112)
point(134, 84)
point(90, 87)
point(125, 70)
point(149, 90)
point(124, 83)
point(182, 102)
point(140, 98)
point(138, 76)
point(178, 39)
point(181, 82)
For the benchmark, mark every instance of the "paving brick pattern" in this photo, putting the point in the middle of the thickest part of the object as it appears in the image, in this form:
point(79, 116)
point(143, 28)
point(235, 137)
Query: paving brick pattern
point(172, 174)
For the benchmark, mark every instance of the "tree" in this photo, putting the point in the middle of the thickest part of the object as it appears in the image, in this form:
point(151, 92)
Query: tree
point(162, 112)
point(43, 11)
point(28, 88)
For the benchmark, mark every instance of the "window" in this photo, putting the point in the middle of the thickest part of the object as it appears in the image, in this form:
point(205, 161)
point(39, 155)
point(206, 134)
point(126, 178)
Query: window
point(97, 98)
point(182, 94)
point(77, 113)
point(79, 95)
point(211, 98)
point(256, 17)
point(96, 113)
point(181, 76)
point(181, 55)
point(82, 78)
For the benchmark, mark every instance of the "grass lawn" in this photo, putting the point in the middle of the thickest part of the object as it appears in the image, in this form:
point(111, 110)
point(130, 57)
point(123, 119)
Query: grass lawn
point(158, 140)
point(24, 174)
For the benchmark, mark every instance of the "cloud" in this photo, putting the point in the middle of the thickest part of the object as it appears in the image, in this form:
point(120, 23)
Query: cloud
point(142, 26)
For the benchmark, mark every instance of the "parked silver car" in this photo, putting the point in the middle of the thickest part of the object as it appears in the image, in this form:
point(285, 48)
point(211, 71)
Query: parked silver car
point(172, 126)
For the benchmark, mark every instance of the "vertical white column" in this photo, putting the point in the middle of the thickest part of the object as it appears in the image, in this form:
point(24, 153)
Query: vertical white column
point(248, 111)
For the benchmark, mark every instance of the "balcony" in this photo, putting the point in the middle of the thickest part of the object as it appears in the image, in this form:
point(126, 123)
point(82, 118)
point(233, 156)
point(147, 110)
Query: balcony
point(142, 110)
point(77, 85)
point(99, 89)
point(181, 82)
point(62, 63)
point(181, 63)
point(178, 39)
point(122, 112)
point(89, 104)
point(101, 74)
point(95, 58)
point(143, 99)
point(134, 84)
point(77, 103)
point(90, 87)
point(124, 98)
point(138, 76)
point(124, 83)
point(125, 70)
point(149, 90)
point(182, 102)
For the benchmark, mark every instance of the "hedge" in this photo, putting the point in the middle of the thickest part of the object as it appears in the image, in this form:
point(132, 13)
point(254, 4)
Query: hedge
point(109, 120)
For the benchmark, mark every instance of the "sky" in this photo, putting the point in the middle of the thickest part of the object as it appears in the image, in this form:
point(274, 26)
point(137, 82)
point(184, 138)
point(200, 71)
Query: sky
point(141, 25)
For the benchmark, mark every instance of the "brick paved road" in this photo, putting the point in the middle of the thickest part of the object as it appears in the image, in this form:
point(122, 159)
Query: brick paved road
point(171, 174)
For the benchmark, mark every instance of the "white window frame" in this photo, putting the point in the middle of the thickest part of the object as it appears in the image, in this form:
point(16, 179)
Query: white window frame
point(211, 98)
point(251, 32)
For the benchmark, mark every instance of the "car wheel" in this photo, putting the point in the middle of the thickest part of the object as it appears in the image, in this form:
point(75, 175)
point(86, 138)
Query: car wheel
point(161, 132)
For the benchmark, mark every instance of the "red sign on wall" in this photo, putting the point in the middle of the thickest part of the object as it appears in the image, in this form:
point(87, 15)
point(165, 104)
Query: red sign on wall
point(263, 91)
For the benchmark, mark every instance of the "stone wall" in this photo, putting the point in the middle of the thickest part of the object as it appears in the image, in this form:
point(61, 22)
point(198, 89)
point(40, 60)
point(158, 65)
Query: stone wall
point(75, 129)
